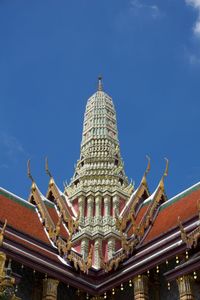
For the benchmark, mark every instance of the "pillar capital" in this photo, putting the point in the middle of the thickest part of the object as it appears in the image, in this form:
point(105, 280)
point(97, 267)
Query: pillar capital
point(184, 287)
point(90, 199)
point(50, 289)
point(81, 198)
point(98, 198)
point(141, 289)
point(115, 198)
point(107, 198)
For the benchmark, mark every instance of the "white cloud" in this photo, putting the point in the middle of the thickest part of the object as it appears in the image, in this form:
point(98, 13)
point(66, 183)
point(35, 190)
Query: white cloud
point(153, 10)
point(194, 59)
point(10, 147)
point(196, 5)
point(197, 28)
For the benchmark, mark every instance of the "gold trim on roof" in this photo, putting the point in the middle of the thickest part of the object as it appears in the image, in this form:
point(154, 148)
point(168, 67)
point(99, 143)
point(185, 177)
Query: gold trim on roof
point(2, 231)
point(190, 239)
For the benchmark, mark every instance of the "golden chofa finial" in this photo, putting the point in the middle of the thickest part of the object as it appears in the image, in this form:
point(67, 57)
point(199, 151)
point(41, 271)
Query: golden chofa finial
point(148, 165)
point(100, 85)
point(165, 173)
point(29, 170)
point(47, 167)
point(166, 168)
point(30, 176)
point(147, 170)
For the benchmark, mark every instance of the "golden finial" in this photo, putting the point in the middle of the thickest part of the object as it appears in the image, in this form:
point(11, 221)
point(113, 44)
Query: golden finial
point(164, 174)
point(144, 181)
point(166, 168)
point(47, 167)
point(100, 85)
point(148, 165)
point(29, 170)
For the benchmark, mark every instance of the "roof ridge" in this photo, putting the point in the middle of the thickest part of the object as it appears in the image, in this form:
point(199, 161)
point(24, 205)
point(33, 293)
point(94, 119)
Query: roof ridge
point(180, 195)
point(16, 198)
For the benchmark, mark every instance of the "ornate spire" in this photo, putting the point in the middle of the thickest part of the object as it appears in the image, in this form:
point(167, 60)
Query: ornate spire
point(100, 166)
point(100, 85)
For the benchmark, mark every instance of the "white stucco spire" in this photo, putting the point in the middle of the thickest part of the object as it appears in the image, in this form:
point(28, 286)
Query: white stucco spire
point(100, 166)
point(99, 186)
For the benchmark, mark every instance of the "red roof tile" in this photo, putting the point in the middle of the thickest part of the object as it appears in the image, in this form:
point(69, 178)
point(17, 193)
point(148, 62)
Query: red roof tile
point(183, 205)
point(21, 215)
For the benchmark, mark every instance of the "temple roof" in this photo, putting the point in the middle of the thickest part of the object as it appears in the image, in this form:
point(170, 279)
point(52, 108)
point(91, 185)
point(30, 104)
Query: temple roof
point(183, 205)
point(23, 216)
point(25, 226)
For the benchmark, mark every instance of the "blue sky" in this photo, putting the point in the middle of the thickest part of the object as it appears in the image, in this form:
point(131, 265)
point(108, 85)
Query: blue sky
point(51, 53)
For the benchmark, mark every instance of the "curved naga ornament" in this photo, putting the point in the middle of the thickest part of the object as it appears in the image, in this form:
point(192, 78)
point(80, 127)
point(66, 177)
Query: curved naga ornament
point(191, 239)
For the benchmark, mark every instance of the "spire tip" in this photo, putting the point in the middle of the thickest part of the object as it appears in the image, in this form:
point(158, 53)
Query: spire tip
point(100, 86)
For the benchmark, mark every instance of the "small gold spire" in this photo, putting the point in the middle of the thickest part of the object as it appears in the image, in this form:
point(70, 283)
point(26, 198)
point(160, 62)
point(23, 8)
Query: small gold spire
point(149, 165)
point(100, 85)
point(47, 167)
point(166, 168)
point(165, 174)
point(29, 170)
point(144, 180)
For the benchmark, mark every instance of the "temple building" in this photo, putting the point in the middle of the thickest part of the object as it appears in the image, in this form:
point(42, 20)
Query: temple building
point(100, 237)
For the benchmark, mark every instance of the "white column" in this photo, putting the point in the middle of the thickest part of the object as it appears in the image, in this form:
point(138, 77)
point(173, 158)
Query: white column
point(115, 205)
point(111, 247)
point(97, 250)
point(84, 248)
point(98, 204)
point(107, 205)
point(81, 206)
point(90, 206)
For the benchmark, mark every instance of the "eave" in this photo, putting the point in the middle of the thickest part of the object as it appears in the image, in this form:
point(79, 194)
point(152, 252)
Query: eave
point(186, 268)
point(97, 282)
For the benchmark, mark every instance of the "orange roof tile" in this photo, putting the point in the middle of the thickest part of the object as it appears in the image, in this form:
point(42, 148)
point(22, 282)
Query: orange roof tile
point(183, 205)
point(21, 215)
